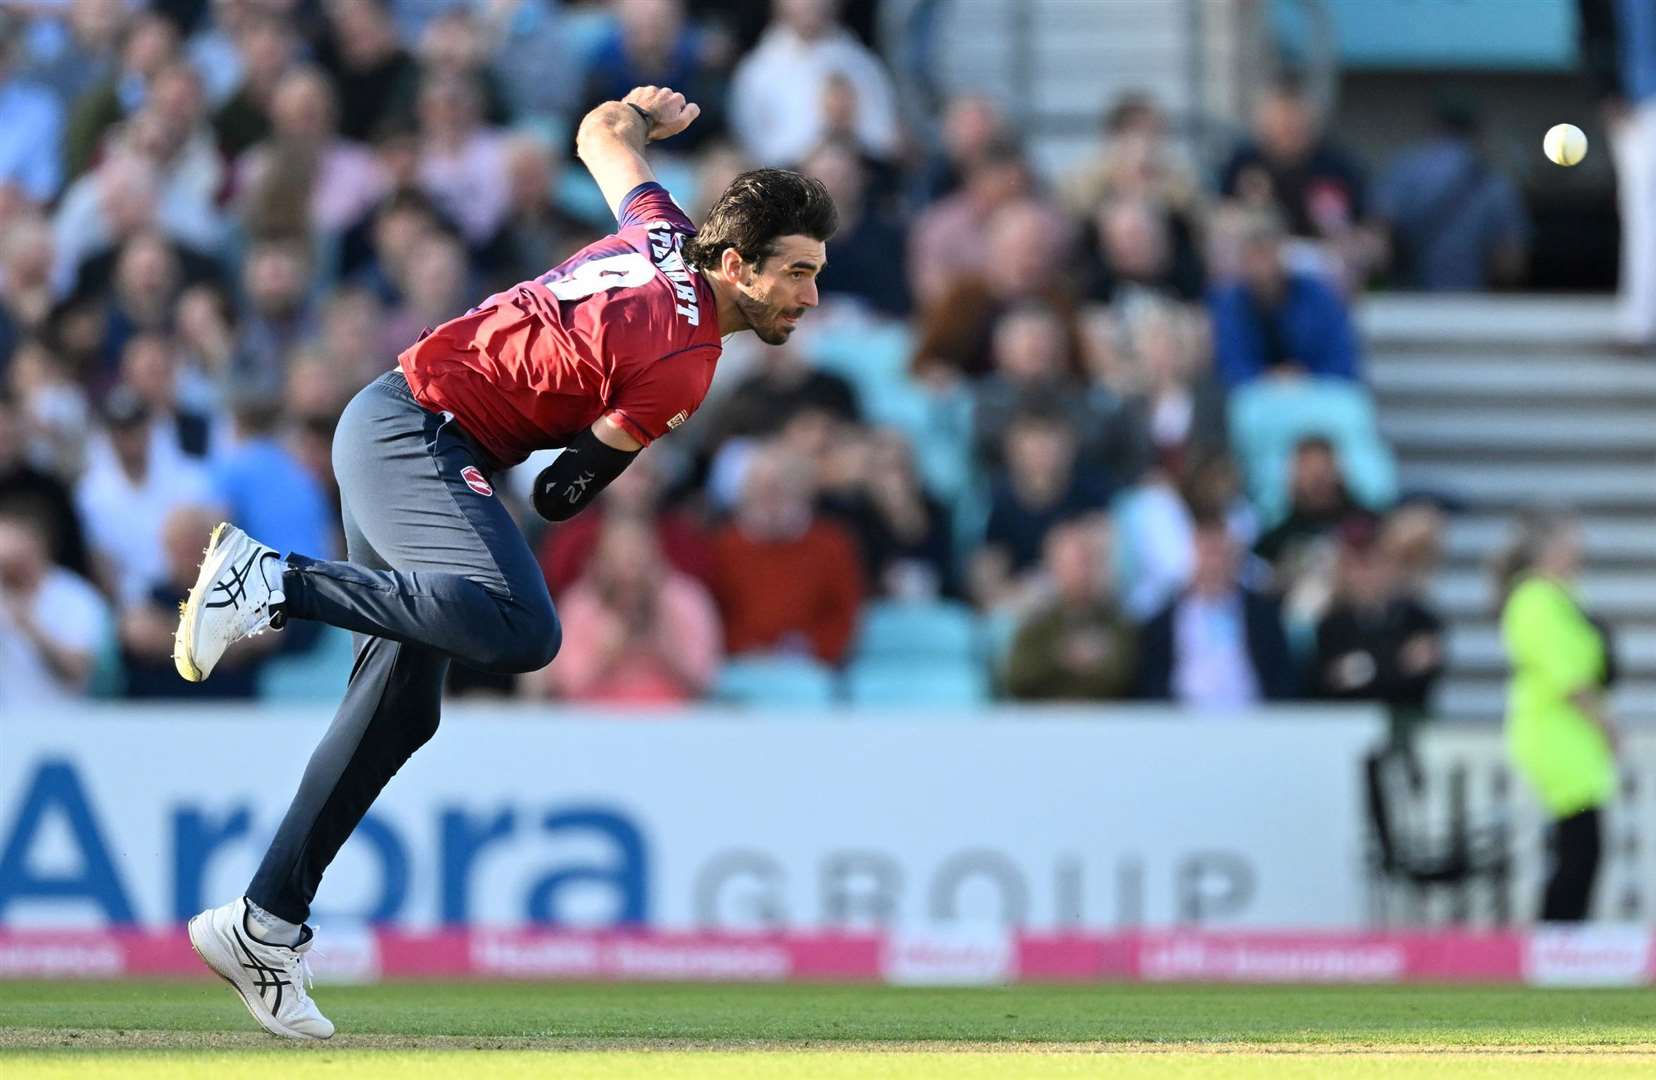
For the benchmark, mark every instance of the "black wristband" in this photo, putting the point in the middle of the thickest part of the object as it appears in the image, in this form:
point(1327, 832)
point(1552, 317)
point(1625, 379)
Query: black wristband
point(568, 485)
point(649, 120)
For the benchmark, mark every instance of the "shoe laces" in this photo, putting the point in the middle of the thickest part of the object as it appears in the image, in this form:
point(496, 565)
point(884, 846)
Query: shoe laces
point(306, 979)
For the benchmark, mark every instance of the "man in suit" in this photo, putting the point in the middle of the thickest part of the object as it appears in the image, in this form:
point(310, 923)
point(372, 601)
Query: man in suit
point(1219, 645)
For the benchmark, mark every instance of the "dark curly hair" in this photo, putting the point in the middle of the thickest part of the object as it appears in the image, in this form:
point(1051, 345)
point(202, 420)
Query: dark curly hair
point(758, 208)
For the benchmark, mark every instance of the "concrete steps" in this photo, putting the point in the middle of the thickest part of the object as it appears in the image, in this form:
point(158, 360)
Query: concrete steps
point(1502, 403)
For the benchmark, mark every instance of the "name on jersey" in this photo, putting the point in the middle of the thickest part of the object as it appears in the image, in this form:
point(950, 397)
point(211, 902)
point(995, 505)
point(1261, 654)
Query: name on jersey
point(664, 249)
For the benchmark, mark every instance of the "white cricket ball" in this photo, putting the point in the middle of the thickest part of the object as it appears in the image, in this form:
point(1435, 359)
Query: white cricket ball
point(1564, 144)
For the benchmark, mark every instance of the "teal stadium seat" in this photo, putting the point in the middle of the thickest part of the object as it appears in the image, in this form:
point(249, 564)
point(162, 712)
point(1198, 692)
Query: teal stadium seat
point(924, 630)
point(775, 680)
point(917, 682)
point(873, 356)
point(1269, 417)
point(317, 674)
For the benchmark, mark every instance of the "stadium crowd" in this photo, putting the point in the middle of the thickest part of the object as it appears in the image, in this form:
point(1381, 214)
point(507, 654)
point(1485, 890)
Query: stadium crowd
point(1094, 436)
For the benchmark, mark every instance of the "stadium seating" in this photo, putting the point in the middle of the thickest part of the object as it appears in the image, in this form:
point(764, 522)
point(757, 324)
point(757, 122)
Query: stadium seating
point(775, 680)
point(917, 682)
point(1268, 418)
point(922, 631)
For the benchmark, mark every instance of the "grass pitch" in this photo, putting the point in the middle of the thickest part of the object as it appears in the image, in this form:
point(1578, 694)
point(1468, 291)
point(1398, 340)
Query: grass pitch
point(413, 1031)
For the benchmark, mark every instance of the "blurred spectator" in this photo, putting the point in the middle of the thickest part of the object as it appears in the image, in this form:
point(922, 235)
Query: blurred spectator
point(948, 240)
point(1034, 372)
point(1134, 249)
point(210, 42)
point(51, 406)
point(305, 178)
point(716, 166)
point(78, 49)
point(206, 341)
point(149, 366)
point(868, 261)
point(1318, 501)
point(777, 99)
point(262, 485)
point(149, 46)
point(1039, 487)
point(1078, 646)
point(536, 233)
point(903, 533)
point(267, 46)
point(1456, 223)
point(1220, 646)
point(29, 139)
point(278, 317)
point(51, 621)
point(641, 632)
point(651, 45)
point(1291, 165)
point(375, 77)
point(350, 338)
point(1026, 242)
point(26, 295)
point(148, 275)
point(531, 52)
point(147, 622)
point(1279, 322)
point(839, 125)
point(127, 493)
point(44, 499)
point(377, 253)
point(566, 548)
point(1618, 47)
point(1135, 161)
point(971, 125)
point(782, 385)
point(162, 170)
point(1559, 729)
point(1413, 538)
point(785, 579)
point(1212, 487)
point(436, 288)
point(454, 45)
point(1175, 408)
point(463, 164)
point(1376, 643)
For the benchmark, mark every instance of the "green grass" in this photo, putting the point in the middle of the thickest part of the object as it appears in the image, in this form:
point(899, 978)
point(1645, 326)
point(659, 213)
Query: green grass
point(410, 1031)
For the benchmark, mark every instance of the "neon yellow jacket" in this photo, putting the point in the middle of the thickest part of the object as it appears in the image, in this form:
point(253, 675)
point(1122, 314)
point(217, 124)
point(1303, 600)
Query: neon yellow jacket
point(1555, 652)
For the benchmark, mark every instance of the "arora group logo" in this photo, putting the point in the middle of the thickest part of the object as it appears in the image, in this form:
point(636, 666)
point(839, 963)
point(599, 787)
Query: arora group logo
point(474, 478)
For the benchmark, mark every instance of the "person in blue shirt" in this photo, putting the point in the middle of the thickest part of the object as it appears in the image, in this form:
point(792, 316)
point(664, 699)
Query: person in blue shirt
point(31, 124)
point(1278, 321)
point(1457, 222)
point(260, 481)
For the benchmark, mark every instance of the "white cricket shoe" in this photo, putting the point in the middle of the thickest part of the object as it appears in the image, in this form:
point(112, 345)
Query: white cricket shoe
point(233, 598)
point(271, 979)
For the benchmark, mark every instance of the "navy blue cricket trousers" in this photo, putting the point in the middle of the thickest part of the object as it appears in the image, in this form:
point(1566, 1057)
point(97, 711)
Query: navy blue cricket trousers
point(436, 569)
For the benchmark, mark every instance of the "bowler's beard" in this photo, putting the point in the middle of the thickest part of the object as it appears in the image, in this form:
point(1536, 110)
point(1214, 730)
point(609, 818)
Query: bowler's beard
point(764, 319)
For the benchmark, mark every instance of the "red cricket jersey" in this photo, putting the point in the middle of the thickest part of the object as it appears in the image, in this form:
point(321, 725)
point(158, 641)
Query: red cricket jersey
point(622, 328)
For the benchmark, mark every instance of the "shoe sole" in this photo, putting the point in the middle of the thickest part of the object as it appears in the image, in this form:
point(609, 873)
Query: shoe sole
point(255, 1005)
point(189, 612)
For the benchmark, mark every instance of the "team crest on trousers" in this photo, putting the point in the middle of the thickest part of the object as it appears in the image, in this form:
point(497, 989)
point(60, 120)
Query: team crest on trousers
point(473, 476)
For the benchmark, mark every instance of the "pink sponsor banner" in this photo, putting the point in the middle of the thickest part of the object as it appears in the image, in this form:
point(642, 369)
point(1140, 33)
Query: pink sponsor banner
point(1159, 956)
point(530, 954)
point(1077, 957)
point(1449, 956)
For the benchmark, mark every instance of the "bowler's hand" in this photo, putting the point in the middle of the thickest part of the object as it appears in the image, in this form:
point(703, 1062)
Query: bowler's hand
point(672, 114)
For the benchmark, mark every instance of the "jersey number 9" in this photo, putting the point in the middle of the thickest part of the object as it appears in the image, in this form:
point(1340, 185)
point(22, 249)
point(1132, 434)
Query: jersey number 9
point(626, 271)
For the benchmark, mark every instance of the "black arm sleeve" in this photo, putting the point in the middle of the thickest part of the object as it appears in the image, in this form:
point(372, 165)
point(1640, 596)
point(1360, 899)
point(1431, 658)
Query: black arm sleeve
point(565, 487)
